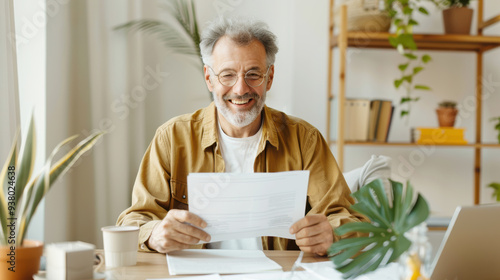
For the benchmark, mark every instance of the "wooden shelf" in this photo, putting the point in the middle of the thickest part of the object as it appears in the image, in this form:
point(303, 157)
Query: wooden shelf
point(380, 40)
point(408, 144)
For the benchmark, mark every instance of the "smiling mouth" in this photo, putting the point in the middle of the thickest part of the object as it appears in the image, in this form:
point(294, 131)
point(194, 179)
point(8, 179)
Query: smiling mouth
point(239, 101)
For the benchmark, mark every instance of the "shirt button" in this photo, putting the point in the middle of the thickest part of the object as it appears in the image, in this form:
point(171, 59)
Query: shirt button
point(184, 196)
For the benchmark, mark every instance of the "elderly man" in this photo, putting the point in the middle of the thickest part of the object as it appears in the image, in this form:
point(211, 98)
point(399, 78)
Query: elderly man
point(236, 133)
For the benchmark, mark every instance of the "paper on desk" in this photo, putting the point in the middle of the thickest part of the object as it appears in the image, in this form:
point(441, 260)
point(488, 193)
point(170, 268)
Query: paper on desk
point(237, 205)
point(206, 261)
point(203, 277)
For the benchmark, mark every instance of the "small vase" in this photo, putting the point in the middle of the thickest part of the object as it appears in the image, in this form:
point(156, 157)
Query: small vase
point(446, 116)
point(416, 262)
point(24, 261)
point(457, 20)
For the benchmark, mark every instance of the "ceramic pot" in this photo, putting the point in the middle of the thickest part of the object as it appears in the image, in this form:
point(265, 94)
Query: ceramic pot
point(446, 116)
point(25, 263)
point(457, 20)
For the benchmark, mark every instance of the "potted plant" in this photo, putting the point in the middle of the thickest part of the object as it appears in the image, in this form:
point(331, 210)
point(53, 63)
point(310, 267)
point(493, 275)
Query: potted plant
point(457, 17)
point(22, 190)
point(446, 113)
point(386, 239)
point(402, 16)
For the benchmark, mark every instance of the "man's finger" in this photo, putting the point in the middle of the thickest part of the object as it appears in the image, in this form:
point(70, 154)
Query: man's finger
point(307, 221)
point(193, 232)
point(184, 216)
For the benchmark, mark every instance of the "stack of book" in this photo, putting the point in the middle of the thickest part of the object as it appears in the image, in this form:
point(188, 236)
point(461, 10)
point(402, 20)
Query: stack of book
point(367, 120)
point(440, 135)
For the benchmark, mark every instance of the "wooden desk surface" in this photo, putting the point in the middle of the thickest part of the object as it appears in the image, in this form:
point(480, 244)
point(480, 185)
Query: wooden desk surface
point(154, 265)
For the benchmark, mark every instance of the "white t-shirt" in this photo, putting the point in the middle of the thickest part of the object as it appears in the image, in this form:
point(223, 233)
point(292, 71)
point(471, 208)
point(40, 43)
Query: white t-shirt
point(239, 157)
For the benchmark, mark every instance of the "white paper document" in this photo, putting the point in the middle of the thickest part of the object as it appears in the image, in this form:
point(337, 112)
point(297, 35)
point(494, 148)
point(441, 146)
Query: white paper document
point(206, 261)
point(244, 205)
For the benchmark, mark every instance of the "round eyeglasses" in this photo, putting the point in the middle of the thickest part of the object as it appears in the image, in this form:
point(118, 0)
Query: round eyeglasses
point(228, 78)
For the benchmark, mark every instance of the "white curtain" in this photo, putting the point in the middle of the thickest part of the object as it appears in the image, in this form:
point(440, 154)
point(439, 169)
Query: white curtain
point(107, 79)
point(92, 73)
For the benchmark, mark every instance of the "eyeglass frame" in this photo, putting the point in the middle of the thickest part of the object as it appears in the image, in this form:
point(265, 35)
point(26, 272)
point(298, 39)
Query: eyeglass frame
point(235, 81)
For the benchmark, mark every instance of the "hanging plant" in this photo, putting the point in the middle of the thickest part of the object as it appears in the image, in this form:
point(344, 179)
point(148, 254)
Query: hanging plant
point(402, 15)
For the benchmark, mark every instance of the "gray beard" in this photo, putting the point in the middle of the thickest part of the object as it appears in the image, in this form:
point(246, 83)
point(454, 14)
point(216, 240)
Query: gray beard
point(240, 119)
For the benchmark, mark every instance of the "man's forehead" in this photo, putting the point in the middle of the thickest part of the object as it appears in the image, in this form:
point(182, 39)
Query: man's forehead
point(227, 50)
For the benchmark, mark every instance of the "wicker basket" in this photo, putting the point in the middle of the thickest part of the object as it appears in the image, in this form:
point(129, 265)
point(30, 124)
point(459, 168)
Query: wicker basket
point(363, 15)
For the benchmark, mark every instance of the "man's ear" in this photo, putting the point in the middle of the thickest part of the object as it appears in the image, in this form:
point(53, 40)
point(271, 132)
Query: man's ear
point(270, 78)
point(208, 80)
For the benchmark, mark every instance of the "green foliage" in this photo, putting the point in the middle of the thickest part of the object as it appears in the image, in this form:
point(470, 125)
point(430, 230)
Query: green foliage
point(385, 240)
point(447, 104)
point(496, 190)
point(452, 3)
point(17, 174)
point(402, 12)
point(497, 126)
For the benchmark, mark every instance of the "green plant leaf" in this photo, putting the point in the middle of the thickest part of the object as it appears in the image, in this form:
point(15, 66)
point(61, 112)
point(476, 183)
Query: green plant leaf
point(404, 113)
point(25, 167)
point(496, 190)
point(423, 10)
point(417, 70)
point(386, 240)
point(412, 22)
point(407, 41)
point(407, 10)
point(403, 67)
point(397, 83)
point(394, 41)
point(410, 56)
point(426, 58)
point(4, 179)
point(422, 87)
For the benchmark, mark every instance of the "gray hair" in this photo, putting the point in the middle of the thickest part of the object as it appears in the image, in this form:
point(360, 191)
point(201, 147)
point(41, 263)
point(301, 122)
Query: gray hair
point(241, 32)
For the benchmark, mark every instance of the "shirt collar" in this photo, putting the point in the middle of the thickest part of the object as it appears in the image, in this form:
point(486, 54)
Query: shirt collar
point(209, 134)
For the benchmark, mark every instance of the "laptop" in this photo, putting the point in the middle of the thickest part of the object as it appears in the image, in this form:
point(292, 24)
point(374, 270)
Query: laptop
point(471, 245)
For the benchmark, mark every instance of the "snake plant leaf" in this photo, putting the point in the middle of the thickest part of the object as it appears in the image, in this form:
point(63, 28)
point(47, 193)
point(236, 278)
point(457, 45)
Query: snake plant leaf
point(4, 213)
point(25, 168)
point(385, 240)
point(41, 185)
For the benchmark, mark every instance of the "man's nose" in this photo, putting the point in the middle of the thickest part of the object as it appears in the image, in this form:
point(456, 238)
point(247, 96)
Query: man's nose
point(241, 86)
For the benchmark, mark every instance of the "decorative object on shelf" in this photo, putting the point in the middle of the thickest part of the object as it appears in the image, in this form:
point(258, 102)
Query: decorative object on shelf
point(440, 136)
point(364, 15)
point(497, 126)
point(446, 113)
point(22, 190)
point(496, 190)
point(401, 13)
point(390, 220)
point(457, 17)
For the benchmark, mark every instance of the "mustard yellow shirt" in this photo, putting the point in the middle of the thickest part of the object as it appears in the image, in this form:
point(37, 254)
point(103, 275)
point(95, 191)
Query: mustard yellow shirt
point(189, 143)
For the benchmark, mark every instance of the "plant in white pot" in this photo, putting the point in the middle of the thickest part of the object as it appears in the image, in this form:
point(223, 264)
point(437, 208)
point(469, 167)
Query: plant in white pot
point(457, 17)
point(22, 191)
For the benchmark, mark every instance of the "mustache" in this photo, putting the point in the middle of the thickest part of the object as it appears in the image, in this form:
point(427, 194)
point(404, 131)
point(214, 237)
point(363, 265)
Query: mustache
point(247, 95)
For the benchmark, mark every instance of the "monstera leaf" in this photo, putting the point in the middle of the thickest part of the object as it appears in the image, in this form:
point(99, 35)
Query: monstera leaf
point(384, 241)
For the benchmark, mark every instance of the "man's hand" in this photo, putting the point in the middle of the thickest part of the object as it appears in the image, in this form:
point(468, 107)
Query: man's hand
point(313, 234)
point(176, 231)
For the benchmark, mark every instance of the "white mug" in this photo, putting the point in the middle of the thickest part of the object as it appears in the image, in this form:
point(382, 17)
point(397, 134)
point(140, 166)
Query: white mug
point(120, 245)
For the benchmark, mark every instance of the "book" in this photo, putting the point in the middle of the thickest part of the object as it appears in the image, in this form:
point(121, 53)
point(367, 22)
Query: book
point(373, 119)
point(384, 120)
point(440, 135)
point(356, 119)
